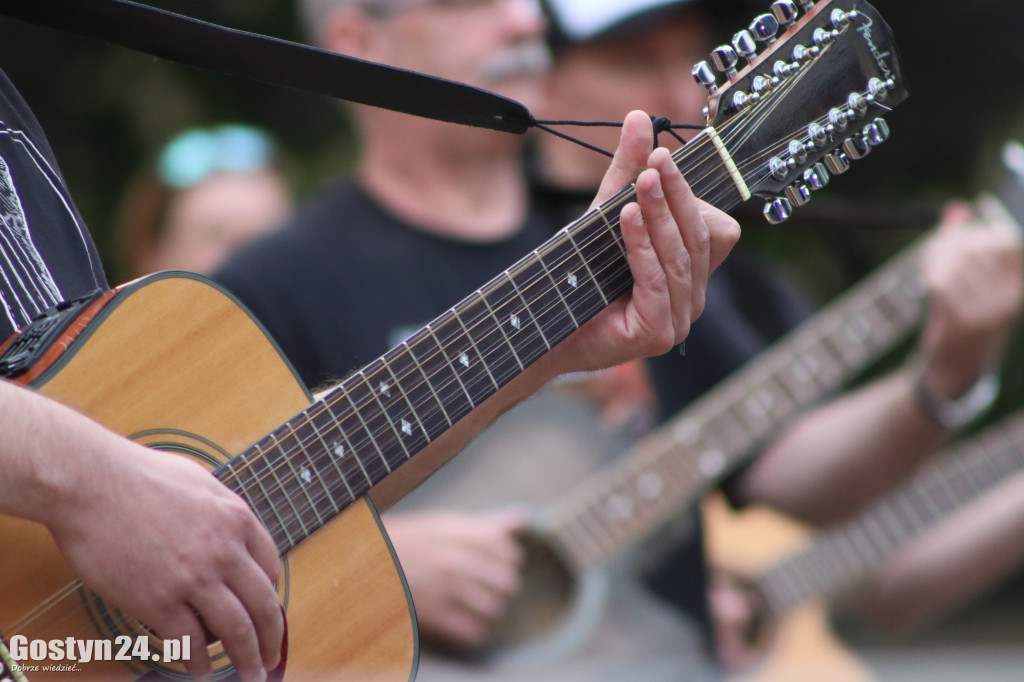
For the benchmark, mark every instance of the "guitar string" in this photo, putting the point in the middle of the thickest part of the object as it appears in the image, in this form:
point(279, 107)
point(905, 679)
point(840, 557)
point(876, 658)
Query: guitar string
point(810, 566)
point(434, 412)
point(431, 412)
point(714, 194)
point(386, 432)
point(661, 450)
point(72, 588)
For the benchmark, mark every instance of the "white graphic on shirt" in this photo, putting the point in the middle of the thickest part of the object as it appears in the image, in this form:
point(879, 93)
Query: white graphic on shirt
point(27, 286)
point(24, 273)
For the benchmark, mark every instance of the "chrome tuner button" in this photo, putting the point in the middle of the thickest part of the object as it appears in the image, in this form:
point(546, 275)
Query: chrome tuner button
point(878, 89)
point(818, 134)
point(724, 58)
point(816, 177)
point(798, 194)
point(801, 53)
point(876, 132)
point(764, 28)
point(808, 5)
point(837, 119)
point(797, 151)
point(857, 102)
point(739, 100)
point(822, 37)
point(856, 147)
point(839, 19)
point(705, 77)
point(786, 12)
point(778, 210)
point(759, 84)
point(743, 43)
point(778, 168)
point(837, 162)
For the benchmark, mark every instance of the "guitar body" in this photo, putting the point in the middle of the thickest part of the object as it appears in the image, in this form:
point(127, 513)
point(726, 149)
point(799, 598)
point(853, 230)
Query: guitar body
point(176, 364)
point(804, 648)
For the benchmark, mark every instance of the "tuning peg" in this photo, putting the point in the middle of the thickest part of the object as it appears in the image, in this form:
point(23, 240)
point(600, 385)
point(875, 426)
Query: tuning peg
point(743, 43)
point(837, 162)
point(785, 11)
point(816, 176)
point(724, 58)
point(808, 5)
point(705, 77)
point(764, 28)
point(798, 194)
point(778, 210)
point(817, 134)
point(856, 147)
point(840, 19)
point(876, 132)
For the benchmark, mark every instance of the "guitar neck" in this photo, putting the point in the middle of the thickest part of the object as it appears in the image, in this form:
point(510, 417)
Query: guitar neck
point(842, 555)
point(323, 459)
point(684, 458)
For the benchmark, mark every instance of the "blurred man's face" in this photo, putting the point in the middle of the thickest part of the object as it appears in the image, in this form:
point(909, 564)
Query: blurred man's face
point(650, 70)
point(493, 44)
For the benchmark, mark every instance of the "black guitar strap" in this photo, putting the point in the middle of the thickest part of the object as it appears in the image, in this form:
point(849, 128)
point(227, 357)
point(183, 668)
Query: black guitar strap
point(198, 43)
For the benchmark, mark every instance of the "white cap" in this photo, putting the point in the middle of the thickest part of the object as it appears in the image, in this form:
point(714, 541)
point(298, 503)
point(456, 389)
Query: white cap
point(579, 21)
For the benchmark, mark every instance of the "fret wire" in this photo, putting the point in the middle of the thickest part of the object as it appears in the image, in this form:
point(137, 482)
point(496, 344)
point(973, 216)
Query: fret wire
point(243, 489)
point(389, 428)
point(556, 289)
point(411, 405)
point(332, 455)
point(455, 371)
point(501, 328)
point(430, 385)
point(587, 267)
point(266, 496)
point(315, 468)
point(477, 350)
point(280, 486)
point(301, 479)
point(533, 317)
point(366, 428)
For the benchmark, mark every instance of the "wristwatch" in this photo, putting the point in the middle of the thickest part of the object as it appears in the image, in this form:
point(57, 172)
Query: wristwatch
point(956, 413)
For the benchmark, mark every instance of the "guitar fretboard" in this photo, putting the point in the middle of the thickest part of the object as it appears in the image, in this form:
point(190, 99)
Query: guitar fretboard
point(309, 469)
point(839, 557)
point(671, 467)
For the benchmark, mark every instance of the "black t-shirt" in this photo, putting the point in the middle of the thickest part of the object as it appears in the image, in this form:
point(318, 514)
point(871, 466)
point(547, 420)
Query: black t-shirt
point(47, 255)
point(345, 280)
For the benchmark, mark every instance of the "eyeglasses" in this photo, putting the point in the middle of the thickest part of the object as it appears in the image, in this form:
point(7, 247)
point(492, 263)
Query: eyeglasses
point(195, 154)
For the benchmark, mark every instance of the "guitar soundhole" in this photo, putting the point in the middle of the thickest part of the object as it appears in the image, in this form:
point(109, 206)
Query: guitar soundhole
point(548, 594)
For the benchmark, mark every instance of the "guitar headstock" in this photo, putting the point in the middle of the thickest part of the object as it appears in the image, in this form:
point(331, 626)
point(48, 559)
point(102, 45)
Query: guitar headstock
point(809, 102)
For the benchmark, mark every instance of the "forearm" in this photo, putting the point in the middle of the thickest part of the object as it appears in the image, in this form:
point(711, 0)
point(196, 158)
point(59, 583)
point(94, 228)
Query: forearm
point(837, 457)
point(951, 564)
point(43, 445)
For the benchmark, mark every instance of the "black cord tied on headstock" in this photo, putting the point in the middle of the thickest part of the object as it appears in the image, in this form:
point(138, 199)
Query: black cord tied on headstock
point(661, 125)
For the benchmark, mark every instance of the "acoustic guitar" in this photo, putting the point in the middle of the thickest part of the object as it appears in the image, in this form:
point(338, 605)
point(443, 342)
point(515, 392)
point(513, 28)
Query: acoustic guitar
point(675, 465)
point(173, 362)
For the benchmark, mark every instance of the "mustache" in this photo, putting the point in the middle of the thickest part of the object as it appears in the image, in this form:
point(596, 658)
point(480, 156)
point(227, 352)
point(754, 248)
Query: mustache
point(521, 60)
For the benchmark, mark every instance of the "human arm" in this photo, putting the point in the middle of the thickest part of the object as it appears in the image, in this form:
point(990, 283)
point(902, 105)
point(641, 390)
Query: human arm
point(152, 533)
point(670, 256)
point(951, 564)
point(836, 457)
